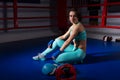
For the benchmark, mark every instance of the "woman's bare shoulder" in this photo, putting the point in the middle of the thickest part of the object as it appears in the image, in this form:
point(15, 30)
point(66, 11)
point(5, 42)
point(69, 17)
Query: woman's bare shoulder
point(81, 27)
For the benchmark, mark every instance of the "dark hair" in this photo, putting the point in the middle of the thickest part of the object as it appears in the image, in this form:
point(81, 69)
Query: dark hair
point(77, 13)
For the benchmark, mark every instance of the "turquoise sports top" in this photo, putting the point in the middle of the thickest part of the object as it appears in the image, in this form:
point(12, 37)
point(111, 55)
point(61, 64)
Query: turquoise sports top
point(81, 35)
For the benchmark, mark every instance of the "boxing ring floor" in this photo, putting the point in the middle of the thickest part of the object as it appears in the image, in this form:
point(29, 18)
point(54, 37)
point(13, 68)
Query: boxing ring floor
point(102, 61)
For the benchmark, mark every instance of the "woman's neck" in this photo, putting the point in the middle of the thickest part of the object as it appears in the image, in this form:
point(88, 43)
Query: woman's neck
point(75, 23)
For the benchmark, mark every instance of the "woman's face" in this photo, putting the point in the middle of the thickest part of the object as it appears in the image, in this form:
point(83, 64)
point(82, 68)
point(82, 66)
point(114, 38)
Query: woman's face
point(72, 17)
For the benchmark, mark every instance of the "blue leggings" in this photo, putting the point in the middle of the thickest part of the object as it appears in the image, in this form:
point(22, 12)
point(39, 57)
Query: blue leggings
point(69, 55)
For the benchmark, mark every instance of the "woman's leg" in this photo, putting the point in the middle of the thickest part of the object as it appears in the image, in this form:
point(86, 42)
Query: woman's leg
point(60, 43)
point(71, 57)
point(57, 43)
point(46, 51)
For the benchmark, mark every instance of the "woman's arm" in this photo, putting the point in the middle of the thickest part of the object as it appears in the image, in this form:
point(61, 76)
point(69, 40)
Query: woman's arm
point(70, 38)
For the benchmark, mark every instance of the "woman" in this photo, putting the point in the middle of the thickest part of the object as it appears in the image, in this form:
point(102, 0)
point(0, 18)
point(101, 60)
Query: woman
point(68, 52)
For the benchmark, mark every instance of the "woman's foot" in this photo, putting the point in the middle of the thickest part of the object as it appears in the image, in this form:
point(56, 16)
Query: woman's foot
point(39, 57)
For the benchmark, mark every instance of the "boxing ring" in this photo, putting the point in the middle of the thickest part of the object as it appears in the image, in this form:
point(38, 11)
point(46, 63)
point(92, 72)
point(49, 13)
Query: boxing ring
point(104, 15)
point(101, 63)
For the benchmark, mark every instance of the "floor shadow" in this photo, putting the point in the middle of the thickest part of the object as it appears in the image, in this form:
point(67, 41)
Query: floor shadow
point(85, 78)
point(95, 57)
point(101, 57)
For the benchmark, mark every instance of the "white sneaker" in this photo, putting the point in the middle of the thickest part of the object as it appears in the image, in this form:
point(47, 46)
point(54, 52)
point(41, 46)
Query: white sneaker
point(39, 57)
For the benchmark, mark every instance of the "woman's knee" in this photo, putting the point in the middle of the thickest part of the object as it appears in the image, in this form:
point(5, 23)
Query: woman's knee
point(59, 41)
